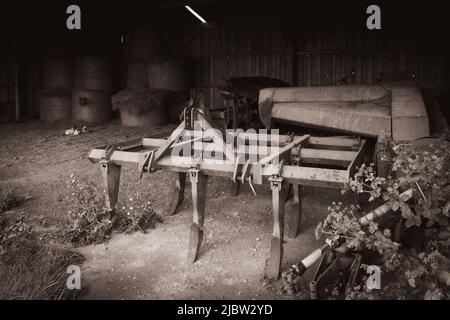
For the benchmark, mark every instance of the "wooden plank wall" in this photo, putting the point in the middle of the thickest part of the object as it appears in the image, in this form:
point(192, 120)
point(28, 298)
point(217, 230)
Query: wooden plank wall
point(310, 54)
point(315, 55)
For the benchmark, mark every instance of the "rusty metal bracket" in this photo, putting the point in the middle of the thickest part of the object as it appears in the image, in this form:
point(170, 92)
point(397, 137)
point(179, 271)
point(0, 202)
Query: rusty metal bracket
point(148, 160)
point(277, 168)
point(245, 173)
point(295, 156)
point(193, 175)
point(290, 137)
point(108, 152)
point(275, 183)
point(187, 118)
point(237, 168)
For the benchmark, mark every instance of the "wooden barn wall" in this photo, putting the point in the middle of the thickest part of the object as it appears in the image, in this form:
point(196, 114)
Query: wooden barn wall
point(7, 93)
point(28, 64)
point(314, 55)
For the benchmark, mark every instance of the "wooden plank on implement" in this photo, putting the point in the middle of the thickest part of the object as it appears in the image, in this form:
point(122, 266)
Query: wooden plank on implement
point(332, 143)
point(280, 139)
point(118, 157)
point(329, 178)
point(207, 166)
point(332, 157)
point(282, 151)
point(152, 142)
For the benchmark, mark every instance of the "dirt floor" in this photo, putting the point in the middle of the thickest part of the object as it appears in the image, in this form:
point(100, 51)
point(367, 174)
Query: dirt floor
point(38, 160)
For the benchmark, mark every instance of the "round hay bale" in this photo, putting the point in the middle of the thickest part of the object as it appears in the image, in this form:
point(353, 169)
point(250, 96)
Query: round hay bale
point(31, 103)
point(168, 73)
point(57, 74)
point(137, 75)
point(156, 103)
point(91, 106)
point(93, 73)
point(7, 112)
point(153, 118)
point(55, 105)
point(145, 42)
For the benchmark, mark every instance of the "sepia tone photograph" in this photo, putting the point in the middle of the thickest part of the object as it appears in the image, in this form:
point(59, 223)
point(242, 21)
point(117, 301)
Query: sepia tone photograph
point(213, 150)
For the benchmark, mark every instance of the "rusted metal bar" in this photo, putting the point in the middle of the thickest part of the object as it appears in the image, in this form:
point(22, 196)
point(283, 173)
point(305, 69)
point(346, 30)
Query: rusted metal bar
point(198, 183)
point(111, 180)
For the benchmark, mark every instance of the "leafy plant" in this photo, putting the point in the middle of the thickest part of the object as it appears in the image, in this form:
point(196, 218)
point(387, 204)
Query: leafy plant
point(92, 222)
point(28, 268)
point(426, 170)
point(344, 222)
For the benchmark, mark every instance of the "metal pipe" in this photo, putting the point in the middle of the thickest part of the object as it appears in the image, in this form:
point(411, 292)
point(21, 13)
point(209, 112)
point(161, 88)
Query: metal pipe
point(385, 208)
point(315, 256)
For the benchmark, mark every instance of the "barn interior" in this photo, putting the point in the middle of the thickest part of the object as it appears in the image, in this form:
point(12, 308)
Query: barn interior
point(127, 73)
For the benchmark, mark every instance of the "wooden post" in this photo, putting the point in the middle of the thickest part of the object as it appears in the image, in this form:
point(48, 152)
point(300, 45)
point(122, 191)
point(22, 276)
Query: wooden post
point(276, 246)
point(198, 183)
point(177, 195)
point(111, 180)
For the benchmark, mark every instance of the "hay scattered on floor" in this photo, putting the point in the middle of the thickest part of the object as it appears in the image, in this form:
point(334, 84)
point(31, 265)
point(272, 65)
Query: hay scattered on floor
point(141, 101)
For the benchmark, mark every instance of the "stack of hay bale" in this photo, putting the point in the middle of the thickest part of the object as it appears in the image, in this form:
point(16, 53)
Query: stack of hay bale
point(156, 83)
point(55, 95)
point(91, 98)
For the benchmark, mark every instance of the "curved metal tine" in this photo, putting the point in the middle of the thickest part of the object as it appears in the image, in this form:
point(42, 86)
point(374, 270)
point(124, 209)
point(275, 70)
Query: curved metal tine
point(177, 194)
point(236, 184)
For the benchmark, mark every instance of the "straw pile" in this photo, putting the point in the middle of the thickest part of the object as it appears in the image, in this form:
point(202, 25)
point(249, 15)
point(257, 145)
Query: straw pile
point(142, 101)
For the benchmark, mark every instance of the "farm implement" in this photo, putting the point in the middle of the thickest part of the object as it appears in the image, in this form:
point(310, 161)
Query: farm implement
point(196, 150)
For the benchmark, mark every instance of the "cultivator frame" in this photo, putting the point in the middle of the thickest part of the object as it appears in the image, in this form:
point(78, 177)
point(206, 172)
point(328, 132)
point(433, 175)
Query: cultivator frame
point(298, 161)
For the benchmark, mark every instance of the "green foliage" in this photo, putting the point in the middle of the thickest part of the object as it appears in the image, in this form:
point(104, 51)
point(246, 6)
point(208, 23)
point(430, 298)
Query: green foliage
point(93, 223)
point(344, 222)
point(29, 269)
point(410, 275)
point(426, 170)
